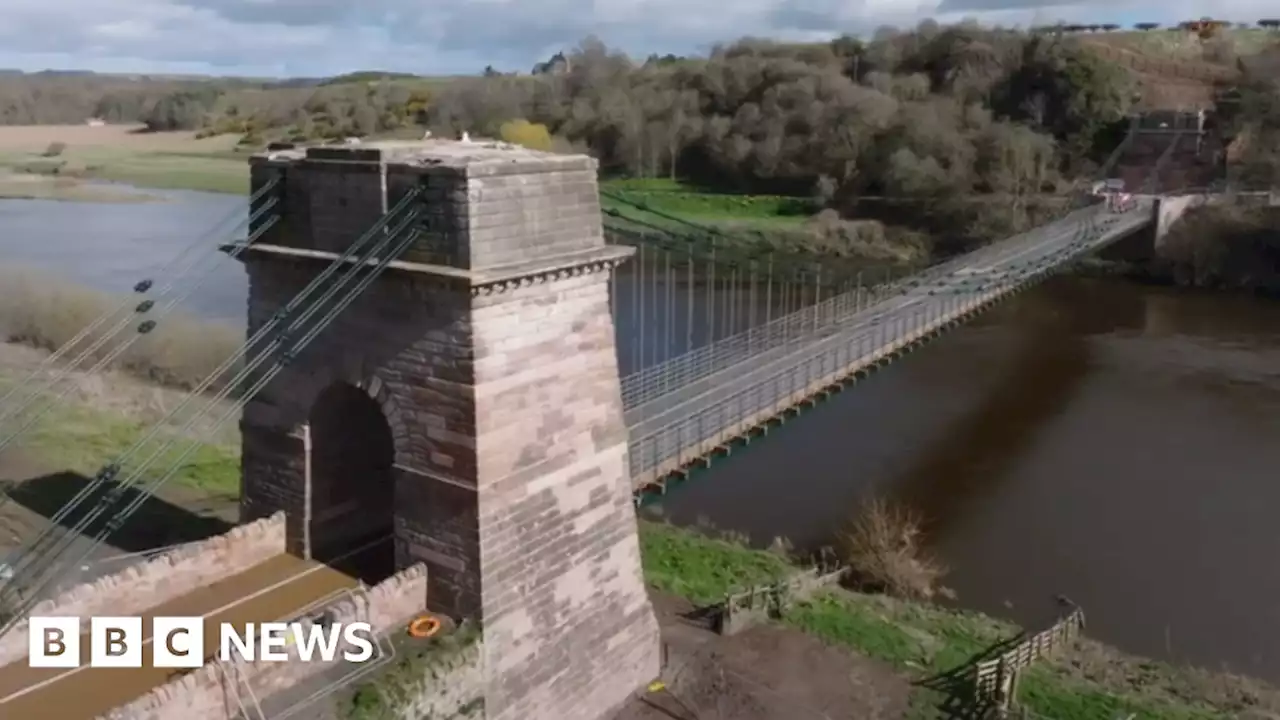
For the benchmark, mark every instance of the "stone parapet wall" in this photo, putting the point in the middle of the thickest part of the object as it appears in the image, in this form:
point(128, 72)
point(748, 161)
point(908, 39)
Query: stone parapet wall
point(216, 691)
point(160, 579)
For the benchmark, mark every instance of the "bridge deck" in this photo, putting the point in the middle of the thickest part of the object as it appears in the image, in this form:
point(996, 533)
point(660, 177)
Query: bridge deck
point(281, 588)
point(691, 422)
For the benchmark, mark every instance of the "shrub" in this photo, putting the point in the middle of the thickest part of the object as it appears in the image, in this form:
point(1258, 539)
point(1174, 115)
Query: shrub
point(522, 132)
point(54, 150)
point(884, 552)
point(48, 314)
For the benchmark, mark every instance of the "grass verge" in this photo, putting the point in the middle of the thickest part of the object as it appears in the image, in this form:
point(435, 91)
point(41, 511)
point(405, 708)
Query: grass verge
point(1090, 682)
point(80, 423)
point(725, 211)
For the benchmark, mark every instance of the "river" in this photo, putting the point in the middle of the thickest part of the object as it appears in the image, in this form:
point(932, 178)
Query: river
point(1113, 443)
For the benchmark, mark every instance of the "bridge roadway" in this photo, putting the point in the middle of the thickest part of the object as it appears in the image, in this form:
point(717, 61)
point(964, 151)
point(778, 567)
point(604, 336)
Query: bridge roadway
point(281, 588)
point(691, 422)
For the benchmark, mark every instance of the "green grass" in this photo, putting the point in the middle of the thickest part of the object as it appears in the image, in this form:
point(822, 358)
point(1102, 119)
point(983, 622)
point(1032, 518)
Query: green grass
point(923, 640)
point(82, 439)
point(700, 568)
point(176, 172)
point(221, 172)
point(726, 211)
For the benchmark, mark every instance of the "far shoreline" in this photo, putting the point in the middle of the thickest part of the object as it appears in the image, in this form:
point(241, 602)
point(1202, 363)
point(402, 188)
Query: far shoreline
point(31, 186)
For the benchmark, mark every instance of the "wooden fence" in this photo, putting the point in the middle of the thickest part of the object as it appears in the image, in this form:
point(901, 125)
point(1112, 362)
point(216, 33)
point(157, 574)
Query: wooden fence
point(745, 608)
point(996, 681)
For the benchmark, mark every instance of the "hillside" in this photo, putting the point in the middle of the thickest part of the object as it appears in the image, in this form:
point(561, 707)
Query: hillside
point(923, 141)
point(1176, 68)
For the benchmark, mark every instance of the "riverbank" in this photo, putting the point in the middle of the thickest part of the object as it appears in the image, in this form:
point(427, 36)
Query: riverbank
point(1090, 681)
point(59, 159)
point(1215, 248)
point(103, 415)
point(27, 186)
point(124, 154)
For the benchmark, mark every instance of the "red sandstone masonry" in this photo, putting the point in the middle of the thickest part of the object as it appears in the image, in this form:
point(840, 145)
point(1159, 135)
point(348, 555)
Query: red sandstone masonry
point(159, 580)
point(210, 692)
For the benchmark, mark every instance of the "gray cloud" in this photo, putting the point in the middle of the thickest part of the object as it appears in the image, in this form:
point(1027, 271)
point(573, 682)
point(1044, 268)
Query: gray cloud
point(311, 37)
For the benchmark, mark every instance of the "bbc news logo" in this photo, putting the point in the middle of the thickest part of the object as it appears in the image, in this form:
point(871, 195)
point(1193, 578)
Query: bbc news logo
point(179, 642)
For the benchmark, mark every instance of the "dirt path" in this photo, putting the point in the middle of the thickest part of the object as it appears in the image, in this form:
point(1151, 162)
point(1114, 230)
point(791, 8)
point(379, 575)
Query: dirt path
point(766, 673)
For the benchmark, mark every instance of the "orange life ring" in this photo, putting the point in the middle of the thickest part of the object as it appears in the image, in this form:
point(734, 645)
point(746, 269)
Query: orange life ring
point(424, 626)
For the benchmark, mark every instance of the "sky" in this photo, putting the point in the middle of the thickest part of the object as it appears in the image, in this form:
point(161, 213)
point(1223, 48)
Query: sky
point(309, 38)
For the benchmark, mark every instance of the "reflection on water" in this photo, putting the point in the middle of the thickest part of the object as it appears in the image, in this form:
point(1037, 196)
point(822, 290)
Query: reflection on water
point(1112, 443)
point(112, 246)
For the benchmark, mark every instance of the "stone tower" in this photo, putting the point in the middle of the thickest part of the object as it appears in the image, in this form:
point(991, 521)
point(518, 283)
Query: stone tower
point(465, 411)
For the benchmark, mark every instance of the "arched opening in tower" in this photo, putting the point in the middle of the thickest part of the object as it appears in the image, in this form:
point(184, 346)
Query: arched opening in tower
point(352, 484)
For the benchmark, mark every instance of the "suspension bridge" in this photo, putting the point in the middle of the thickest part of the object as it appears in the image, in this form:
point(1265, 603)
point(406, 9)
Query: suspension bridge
point(454, 361)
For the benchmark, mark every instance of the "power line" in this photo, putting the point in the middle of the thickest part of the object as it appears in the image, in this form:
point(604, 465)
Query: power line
point(141, 330)
point(140, 288)
point(48, 547)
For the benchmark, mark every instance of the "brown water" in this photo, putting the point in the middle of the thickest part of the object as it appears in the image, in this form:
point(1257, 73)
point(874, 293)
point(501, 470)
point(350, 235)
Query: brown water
point(1116, 444)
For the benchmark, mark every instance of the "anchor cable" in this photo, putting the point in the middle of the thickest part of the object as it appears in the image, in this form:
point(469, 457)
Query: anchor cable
point(140, 331)
point(286, 357)
point(140, 288)
point(108, 473)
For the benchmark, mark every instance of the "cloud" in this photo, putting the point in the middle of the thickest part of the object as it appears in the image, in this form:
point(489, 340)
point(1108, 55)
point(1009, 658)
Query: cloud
point(319, 37)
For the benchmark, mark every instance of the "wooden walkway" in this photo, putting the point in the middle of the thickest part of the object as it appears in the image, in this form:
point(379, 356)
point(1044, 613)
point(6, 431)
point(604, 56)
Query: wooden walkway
point(846, 336)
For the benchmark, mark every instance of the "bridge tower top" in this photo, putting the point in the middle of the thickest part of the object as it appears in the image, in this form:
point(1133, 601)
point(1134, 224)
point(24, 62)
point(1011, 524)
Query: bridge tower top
point(467, 406)
point(487, 206)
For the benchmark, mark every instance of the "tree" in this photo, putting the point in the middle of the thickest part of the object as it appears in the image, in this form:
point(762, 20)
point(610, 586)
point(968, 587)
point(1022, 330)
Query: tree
point(183, 110)
point(1146, 26)
point(364, 120)
point(1078, 94)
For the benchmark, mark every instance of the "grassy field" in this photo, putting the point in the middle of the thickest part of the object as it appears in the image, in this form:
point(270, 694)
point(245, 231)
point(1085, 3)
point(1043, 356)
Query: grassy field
point(1091, 682)
point(720, 210)
point(170, 160)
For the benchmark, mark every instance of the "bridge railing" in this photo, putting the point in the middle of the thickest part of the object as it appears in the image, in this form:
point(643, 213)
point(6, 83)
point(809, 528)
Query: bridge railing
point(706, 422)
point(782, 332)
point(785, 384)
point(796, 329)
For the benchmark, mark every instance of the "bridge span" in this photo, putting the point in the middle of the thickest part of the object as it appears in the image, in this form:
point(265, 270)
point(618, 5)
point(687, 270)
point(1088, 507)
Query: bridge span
point(432, 356)
point(735, 388)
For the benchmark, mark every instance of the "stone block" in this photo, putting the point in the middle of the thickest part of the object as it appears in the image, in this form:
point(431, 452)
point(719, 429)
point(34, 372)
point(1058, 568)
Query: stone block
point(500, 390)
